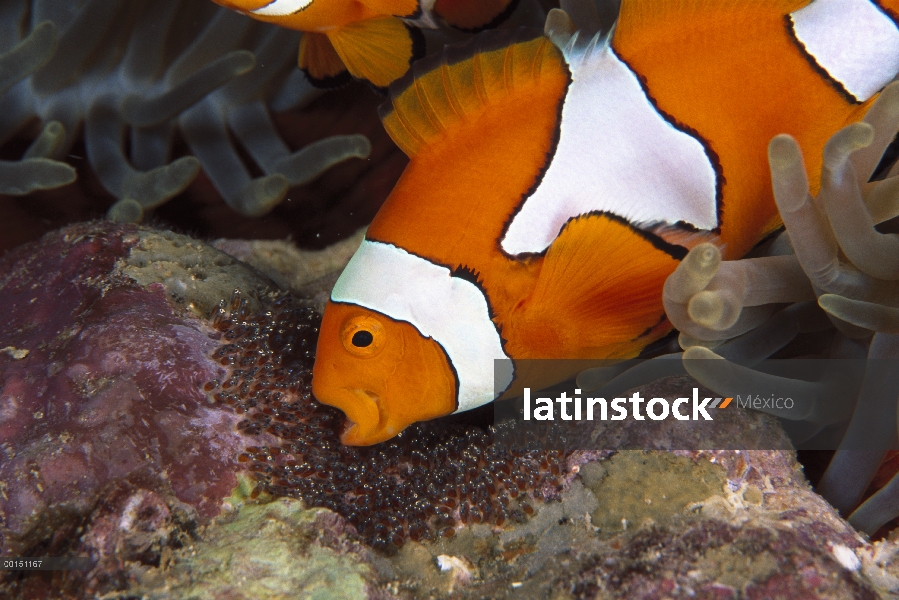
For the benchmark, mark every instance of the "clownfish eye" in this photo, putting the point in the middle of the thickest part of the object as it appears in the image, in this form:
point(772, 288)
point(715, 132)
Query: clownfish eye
point(361, 339)
point(363, 336)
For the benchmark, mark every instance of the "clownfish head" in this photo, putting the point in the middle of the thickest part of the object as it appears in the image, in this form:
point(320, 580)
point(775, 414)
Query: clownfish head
point(403, 340)
point(383, 374)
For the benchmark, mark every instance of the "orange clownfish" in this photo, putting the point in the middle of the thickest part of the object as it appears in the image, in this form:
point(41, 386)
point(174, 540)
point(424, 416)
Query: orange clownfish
point(374, 40)
point(551, 192)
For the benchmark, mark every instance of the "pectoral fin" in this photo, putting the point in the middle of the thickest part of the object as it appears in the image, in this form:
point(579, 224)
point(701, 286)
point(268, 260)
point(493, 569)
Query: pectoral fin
point(599, 292)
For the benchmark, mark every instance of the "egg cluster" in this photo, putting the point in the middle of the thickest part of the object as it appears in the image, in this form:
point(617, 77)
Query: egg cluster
point(427, 482)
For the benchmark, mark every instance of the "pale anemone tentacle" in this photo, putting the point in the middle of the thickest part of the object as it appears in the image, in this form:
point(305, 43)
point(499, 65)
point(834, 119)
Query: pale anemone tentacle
point(618, 378)
point(559, 27)
point(882, 199)
point(136, 73)
point(708, 299)
point(883, 117)
point(878, 510)
point(873, 253)
point(858, 302)
point(814, 402)
point(883, 506)
point(102, 128)
point(871, 432)
point(252, 125)
point(763, 341)
point(48, 142)
point(867, 315)
point(27, 56)
point(806, 224)
point(811, 234)
point(36, 170)
point(143, 111)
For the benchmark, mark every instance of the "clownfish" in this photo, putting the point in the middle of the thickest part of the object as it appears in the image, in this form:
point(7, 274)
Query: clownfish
point(550, 192)
point(375, 40)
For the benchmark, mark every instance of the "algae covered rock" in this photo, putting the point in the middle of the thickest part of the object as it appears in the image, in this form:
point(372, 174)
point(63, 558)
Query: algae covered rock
point(278, 550)
point(110, 446)
point(115, 447)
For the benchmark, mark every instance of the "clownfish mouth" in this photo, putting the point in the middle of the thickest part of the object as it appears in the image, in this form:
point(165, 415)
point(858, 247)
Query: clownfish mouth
point(363, 414)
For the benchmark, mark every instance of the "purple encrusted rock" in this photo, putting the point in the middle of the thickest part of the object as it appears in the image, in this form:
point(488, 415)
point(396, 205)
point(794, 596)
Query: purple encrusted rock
point(104, 422)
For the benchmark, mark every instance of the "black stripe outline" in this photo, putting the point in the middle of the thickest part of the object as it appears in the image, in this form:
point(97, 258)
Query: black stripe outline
point(649, 329)
point(329, 83)
point(813, 63)
point(462, 272)
point(296, 12)
point(538, 179)
point(711, 155)
point(887, 11)
point(675, 251)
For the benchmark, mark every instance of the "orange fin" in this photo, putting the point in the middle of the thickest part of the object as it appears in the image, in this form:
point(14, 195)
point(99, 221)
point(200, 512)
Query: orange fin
point(320, 62)
point(443, 90)
point(600, 283)
point(474, 15)
point(398, 8)
point(379, 50)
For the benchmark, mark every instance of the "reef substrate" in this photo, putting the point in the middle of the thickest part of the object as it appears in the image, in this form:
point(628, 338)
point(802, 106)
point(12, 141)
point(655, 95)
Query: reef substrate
point(110, 448)
point(139, 418)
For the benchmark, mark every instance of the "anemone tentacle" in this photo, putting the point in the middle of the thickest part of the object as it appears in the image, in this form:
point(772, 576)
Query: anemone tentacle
point(830, 252)
point(135, 74)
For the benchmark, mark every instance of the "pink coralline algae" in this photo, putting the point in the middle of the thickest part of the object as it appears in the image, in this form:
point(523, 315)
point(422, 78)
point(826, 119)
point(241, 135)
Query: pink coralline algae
point(102, 409)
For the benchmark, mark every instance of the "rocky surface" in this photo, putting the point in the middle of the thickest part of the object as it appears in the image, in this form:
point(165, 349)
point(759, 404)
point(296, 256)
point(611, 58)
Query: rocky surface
point(107, 436)
point(310, 273)
point(111, 449)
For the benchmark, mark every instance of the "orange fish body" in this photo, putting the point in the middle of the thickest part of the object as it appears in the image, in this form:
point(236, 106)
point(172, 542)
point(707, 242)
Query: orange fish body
point(369, 39)
point(550, 193)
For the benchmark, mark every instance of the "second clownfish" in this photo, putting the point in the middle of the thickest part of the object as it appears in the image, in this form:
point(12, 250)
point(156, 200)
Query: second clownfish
point(375, 40)
point(550, 193)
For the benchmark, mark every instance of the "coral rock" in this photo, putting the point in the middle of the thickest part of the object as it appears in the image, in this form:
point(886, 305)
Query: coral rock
point(103, 419)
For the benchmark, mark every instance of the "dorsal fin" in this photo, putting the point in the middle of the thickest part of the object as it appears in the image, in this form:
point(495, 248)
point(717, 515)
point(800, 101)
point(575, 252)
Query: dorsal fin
point(446, 88)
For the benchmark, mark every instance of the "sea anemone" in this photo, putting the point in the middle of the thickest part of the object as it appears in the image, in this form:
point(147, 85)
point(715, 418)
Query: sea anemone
point(831, 256)
point(134, 74)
